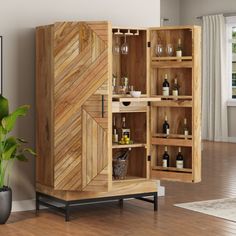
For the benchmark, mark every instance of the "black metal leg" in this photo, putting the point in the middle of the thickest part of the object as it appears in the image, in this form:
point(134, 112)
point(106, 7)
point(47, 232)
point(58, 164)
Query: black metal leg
point(37, 203)
point(67, 212)
point(155, 199)
point(121, 202)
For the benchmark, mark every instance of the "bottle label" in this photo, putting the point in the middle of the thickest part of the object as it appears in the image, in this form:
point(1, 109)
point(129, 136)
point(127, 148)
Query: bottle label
point(179, 53)
point(186, 132)
point(175, 92)
point(115, 138)
point(164, 163)
point(167, 131)
point(165, 91)
point(126, 132)
point(180, 164)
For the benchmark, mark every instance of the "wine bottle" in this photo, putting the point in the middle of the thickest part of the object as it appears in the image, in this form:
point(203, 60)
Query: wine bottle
point(179, 160)
point(125, 132)
point(179, 49)
point(186, 133)
point(166, 87)
point(166, 127)
point(165, 158)
point(115, 138)
point(175, 91)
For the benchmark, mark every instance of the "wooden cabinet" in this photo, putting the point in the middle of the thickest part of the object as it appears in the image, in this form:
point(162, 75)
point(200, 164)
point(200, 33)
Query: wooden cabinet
point(75, 108)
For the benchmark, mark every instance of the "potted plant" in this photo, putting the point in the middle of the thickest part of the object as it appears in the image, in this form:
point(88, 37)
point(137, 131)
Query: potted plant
point(11, 149)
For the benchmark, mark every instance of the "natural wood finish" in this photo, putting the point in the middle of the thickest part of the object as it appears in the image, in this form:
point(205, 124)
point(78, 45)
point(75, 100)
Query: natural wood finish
point(172, 64)
point(171, 58)
point(173, 103)
point(187, 71)
point(44, 106)
point(196, 122)
point(176, 136)
point(79, 60)
point(121, 107)
point(118, 188)
point(172, 169)
point(134, 145)
point(172, 142)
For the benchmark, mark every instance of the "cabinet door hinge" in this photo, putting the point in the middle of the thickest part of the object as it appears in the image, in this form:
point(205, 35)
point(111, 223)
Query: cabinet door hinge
point(149, 103)
point(149, 44)
point(149, 158)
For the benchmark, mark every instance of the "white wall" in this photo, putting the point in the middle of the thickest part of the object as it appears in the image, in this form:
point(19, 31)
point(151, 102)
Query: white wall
point(170, 9)
point(190, 9)
point(17, 22)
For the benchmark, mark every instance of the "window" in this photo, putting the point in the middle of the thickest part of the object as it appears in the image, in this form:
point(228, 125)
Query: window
point(234, 62)
point(231, 56)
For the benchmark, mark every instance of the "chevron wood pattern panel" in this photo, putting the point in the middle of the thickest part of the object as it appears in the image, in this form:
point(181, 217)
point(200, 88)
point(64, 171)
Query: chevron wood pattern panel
point(81, 78)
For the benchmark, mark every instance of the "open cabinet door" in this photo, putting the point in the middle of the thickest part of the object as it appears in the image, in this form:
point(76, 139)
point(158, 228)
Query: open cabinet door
point(82, 88)
point(186, 105)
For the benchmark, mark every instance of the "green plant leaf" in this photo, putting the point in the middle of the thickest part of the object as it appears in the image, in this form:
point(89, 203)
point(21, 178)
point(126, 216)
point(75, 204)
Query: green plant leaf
point(9, 121)
point(29, 150)
point(21, 157)
point(9, 153)
point(21, 140)
point(4, 108)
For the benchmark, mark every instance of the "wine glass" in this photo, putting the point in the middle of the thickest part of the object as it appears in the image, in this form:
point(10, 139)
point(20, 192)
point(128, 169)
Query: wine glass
point(169, 49)
point(124, 47)
point(159, 50)
point(116, 48)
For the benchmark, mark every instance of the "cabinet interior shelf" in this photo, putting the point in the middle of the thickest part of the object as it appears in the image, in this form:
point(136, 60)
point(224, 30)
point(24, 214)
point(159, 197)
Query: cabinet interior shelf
point(134, 145)
point(130, 178)
point(173, 103)
point(172, 142)
point(175, 98)
point(172, 64)
point(172, 136)
point(173, 169)
point(117, 96)
point(184, 58)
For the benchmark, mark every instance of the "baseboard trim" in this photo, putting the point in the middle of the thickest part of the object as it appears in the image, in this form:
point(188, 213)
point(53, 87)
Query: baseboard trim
point(25, 205)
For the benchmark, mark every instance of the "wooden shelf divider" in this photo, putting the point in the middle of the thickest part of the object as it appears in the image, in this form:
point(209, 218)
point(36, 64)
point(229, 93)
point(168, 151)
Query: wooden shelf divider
point(184, 58)
point(186, 170)
point(134, 145)
point(173, 103)
point(172, 64)
point(175, 136)
point(172, 142)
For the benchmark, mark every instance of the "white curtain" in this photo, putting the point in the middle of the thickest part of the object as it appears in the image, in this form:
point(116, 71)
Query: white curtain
point(214, 81)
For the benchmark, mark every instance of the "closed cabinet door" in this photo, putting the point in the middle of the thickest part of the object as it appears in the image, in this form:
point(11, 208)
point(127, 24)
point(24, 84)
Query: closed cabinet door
point(81, 90)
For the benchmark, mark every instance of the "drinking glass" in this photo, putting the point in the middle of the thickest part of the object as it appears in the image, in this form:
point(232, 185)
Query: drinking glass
point(169, 50)
point(116, 48)
point(159, 50)
point(124, 47)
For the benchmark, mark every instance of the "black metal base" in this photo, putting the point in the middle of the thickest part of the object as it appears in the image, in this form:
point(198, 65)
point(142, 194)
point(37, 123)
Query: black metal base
point(42, 199)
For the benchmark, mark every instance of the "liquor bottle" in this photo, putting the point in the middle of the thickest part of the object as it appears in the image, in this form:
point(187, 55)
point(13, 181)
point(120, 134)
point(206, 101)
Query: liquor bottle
point(125, 132)
point(179, 49)
point(166, 87)
point(179, 160)
point(166, 127)
point(186, 133)
point(115, 138)
point(165, 158)
point(175, 90)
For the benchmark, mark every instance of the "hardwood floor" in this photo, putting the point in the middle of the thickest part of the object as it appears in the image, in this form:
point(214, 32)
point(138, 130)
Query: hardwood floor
point(137, 218)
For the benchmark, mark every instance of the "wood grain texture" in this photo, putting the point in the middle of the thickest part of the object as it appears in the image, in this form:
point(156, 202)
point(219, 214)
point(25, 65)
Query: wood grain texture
point(74, 58)
point(44, 106)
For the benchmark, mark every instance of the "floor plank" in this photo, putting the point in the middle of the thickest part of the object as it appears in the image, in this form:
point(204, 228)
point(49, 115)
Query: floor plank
point(138, 218)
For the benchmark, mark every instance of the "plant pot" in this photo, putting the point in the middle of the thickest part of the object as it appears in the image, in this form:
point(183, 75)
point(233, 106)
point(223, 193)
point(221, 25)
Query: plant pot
point(5, 204)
